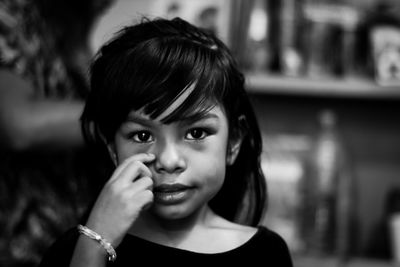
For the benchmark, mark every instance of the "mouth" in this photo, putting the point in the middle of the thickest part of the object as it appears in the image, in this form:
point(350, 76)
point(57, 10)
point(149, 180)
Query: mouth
point(170, 194)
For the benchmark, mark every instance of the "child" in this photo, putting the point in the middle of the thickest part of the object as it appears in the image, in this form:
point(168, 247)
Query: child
point(169, 104)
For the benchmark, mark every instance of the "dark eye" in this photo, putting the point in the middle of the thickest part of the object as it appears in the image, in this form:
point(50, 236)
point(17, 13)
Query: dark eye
point(142, 137)
point(196, 134)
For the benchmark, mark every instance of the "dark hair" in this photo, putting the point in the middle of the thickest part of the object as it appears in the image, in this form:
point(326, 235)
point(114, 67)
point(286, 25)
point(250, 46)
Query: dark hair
point(149, 65)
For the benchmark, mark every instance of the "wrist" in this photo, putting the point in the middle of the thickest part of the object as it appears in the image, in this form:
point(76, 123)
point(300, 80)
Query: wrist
point(100, 240)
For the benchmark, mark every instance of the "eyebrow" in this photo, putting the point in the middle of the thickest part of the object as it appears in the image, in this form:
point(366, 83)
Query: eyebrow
point(134, 118)
point(195, 117)
point(198, 117)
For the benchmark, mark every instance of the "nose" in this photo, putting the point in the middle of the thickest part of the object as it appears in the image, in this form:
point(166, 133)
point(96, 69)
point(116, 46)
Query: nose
point(169, 157)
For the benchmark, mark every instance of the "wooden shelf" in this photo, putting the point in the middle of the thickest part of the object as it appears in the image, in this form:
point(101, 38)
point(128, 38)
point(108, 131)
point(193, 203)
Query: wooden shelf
point(329, 87)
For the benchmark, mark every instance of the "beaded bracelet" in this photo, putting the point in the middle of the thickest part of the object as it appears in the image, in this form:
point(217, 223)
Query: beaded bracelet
point(112, 255)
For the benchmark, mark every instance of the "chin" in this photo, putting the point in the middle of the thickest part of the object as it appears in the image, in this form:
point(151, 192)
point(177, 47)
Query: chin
point(176, 212)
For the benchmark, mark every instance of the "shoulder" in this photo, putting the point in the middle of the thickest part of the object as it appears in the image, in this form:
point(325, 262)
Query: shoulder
point(238, 232)
point(259, 243)
point(268, 241)
point(265, 232)
point(245, 233)
point(267, 236)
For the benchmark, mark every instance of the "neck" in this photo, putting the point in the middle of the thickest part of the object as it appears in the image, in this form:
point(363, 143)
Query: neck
point(151, 227)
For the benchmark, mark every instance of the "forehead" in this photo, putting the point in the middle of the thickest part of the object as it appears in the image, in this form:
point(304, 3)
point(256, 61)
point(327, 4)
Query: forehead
point(196, 110)
point(214, 111)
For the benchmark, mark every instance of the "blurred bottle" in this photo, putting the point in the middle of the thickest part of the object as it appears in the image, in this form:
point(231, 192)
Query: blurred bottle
point(327, 193)
point(325, 157)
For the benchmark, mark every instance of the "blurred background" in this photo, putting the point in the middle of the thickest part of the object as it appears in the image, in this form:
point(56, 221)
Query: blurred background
point(324, 78)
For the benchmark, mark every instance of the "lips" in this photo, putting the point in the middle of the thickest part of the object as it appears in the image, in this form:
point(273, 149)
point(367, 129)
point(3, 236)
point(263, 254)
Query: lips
point(170, 194)
point(166, 188)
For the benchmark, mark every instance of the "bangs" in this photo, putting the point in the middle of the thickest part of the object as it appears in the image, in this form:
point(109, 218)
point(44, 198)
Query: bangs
point(160, 70)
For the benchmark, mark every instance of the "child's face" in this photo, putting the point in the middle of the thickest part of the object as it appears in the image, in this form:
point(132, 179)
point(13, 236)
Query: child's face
point(190, 163)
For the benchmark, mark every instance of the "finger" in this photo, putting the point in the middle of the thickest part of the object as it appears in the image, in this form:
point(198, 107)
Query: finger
point(127, 164)
point(134, 171)
point(139, 202)
point(143, 157)
point(144, 183)
point(143, 199)
point(139, 194)
point(147, 198)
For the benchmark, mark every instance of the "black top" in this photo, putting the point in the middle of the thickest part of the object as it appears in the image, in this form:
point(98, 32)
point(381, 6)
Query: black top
point(265, 248)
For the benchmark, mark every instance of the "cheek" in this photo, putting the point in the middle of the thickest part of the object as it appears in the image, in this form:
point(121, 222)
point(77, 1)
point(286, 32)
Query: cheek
point(213, 180)
point(210, 165)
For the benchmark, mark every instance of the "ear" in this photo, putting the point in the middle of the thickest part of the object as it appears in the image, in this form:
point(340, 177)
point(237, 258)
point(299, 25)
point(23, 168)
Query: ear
point(235, 142)
point(233, 151)
point(111, 150)
point(112, 153)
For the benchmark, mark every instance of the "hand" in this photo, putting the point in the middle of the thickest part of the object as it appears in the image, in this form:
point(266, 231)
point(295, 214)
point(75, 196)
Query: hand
point(123, 197)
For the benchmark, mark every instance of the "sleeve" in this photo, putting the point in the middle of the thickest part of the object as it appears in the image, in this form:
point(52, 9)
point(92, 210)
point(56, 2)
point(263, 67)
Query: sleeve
point(60, 253)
